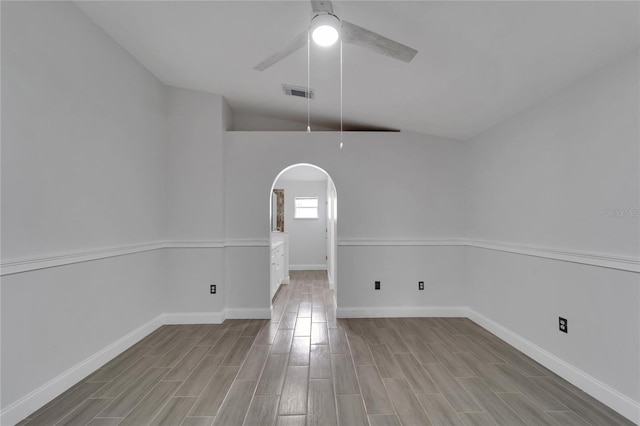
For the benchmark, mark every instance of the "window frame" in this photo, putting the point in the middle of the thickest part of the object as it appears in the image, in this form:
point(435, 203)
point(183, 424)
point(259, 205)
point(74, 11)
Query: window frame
point(296, 207)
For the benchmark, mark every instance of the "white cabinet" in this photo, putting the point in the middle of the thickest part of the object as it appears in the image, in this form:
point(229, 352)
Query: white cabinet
point(279, 261)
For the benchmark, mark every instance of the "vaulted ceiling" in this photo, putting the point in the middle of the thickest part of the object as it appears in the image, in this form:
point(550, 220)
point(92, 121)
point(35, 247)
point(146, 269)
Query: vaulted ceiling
point(477, 63)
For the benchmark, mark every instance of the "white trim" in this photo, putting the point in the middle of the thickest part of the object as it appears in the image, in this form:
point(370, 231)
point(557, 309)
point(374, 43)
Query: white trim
point(322, 267)
point(48, 261)
point(247, 313)
point(194, 244)
point(194, 318)
point(50, 390)
point(247, 243)
point(401, 242)
point(402, 312)
point(16, 266)
point(594, 387)
point(624, 263)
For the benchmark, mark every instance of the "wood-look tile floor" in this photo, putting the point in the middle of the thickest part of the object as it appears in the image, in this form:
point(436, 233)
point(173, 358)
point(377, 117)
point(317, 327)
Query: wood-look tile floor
point(306, 367)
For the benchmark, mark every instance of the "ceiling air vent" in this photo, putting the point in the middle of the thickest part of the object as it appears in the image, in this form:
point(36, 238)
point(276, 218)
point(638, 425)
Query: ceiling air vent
point(301, 92)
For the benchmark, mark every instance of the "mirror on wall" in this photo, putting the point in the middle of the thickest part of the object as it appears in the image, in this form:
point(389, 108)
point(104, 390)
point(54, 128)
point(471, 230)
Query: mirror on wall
point(277, 213)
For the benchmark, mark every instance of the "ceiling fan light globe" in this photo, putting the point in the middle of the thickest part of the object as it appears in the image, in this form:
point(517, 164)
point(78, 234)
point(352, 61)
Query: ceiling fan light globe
point(325, 29)
point(325, 35)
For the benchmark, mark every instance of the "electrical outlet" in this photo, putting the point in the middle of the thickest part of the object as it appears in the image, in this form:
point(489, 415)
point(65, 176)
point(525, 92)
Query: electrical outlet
point(377, 285)
point(212, 289)
point(420, 285)
point(563, 324)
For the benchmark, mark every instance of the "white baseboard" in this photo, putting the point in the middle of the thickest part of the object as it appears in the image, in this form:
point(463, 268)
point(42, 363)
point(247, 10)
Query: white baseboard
point(194, 318)
point(244, 313)
point(45, 393)
point(402, 311)
point(308, 267)
point(594, 387)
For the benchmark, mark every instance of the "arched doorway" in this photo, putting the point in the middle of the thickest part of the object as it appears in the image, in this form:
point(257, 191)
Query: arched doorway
point(303, 236)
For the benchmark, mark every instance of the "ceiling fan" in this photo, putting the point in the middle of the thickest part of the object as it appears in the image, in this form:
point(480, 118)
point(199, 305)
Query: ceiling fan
point(327, 28)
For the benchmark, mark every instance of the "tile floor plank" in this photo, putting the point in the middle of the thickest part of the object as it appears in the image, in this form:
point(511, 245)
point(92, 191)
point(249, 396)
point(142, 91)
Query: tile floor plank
point(457, 396)
point(262, 411)
point(476, 419)
point(291, 421)
point(214, 392)
point(408, 408)
point(197, 421)
point(344, 375)
point(238, 351)
point(525, 409)
point(236, 404)
point(123, 404)
point(319, 335)
point(66, 403)
point(456, 367)
point(293, 399)
point(543, 399)
point(351, 410)
point(124, 380)
point(198, 379)
point(150, 405)
point(386, 362)
point(415, 375)
point(438, 409)
point(338, 341)
point(502, 414)
point(188, 363)
point(384, 420)
point(320, 362)
point(254, 362)
point(273, 375)
point(85, 412)
point(321, 406)
point(566, 418)
point(300, 349)
point(174, 412)
point(282, 342)
point(376, 399)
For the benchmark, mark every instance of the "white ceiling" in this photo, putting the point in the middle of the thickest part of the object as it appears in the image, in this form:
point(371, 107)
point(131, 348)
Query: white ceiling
point(477, 63)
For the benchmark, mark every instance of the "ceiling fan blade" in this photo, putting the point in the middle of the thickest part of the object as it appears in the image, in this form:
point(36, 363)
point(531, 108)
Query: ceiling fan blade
point(296, 44)
point(351, 33)
point(321, 6)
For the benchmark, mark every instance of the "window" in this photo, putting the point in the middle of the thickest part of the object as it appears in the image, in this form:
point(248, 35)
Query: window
point(306, 208)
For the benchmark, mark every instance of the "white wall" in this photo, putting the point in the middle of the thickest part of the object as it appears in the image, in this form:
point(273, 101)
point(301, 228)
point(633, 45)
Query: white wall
point(307, 243)
point(392, 187)
point(82, 170)
point(194, 177)
point(546, 178)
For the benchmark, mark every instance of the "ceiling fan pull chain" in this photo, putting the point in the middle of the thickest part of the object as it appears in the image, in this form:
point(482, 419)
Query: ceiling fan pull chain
point(309, 81)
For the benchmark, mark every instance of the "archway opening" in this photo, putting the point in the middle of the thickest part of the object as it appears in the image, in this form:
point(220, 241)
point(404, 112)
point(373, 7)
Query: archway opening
point(303, 239)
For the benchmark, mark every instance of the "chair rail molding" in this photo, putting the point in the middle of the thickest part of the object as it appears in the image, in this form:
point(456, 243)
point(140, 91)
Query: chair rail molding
point(612, 261)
